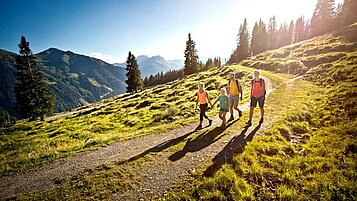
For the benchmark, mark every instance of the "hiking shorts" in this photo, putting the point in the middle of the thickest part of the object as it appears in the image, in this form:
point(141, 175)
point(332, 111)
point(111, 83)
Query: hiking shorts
point(254, 101)
point(233, 101)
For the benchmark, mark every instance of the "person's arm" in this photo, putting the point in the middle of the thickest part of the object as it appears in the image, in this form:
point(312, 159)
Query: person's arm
point(197, 100)
point(251, 88)
point(209, 100)
point(215, 101)
point(228, 88)
point(241, 91)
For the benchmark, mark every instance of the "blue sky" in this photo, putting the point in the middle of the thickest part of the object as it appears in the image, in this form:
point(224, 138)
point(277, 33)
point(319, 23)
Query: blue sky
point(108, 29)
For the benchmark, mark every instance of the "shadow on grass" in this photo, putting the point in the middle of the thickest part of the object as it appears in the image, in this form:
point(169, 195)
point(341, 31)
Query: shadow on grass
point(204, 140)
point(235, 146)
point(159, 147)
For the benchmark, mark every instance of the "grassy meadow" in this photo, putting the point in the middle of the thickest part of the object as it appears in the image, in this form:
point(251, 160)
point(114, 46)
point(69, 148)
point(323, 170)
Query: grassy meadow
point(29, 144)
point(307, 152)
point(310, 153)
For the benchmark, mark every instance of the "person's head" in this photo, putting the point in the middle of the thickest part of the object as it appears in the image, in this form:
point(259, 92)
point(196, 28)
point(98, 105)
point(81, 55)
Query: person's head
point(231, 75)
point(256, 74)
point(201, 86)
point(223, 91)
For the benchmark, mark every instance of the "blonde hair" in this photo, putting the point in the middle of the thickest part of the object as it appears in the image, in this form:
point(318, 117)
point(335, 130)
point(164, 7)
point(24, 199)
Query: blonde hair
point(223, 89)
point(201, 84)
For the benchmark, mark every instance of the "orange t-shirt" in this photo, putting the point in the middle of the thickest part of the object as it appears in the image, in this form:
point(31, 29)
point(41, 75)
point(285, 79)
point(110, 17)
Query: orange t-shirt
point(257, 87)
point(202, 97)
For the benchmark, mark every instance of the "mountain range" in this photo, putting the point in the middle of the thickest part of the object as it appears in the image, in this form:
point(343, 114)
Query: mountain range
point(74, 79)
point(153, 65)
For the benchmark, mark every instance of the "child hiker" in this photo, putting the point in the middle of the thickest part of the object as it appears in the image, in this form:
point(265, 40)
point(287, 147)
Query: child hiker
point(223, 105)
point(202, 98)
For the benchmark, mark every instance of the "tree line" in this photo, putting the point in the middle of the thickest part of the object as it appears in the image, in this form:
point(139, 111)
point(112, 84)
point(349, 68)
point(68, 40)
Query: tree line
point(326, 18)
point(33, 98)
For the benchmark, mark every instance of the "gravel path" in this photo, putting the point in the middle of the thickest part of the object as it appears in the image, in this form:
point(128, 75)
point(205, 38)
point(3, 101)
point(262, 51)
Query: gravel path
point(156, 175)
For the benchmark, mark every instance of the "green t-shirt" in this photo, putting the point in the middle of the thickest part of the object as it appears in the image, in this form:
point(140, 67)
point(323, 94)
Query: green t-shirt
point(223, 102)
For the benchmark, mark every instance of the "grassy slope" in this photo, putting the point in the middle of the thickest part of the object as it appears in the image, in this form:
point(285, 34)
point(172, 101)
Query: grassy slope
point(311, 152)
point(26, 145)
point(109, 179)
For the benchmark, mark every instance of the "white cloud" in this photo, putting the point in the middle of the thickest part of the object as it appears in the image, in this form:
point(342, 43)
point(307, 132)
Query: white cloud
point(105, 57)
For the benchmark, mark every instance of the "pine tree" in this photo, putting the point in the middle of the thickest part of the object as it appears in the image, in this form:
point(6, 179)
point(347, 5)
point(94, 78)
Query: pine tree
point(263, 40)
point(347, 15)
point(243, 42)
point(191, 58)
point(322, 18)
point(33, 99)
point(272, 33)
point(134, 81)
point(283, 35)
point(290, 38)
point(299, 29)
point(254, 44)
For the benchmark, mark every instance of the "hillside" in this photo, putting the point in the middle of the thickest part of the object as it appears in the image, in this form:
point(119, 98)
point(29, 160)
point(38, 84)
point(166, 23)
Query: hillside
point(74, 79)
point(310, 152)
point(305, 150)
point(153, 65)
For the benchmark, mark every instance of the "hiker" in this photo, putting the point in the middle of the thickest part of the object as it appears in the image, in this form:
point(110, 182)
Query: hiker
point(223, 106)
point(234, 89)
point(203, 99)
point(257, 95)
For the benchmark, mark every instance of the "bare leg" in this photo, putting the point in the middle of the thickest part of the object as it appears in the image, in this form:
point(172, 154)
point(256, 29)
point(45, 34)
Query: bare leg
point(251, 113)
point(231, 110)
point(262, 112)
point(224, 118)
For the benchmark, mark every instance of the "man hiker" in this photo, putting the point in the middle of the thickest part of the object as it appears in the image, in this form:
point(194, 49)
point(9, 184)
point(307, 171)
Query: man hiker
point(234, 89)
point(257, 95)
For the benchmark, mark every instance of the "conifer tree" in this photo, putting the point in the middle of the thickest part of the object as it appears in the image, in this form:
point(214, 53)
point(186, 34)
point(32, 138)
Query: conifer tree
point(134, 81)
point(299, 30)
point(191, 57)
point(242, 51)
point(263, 38)
point(272, 33)
point(290, 37)
point(348, 14)
point(33, 99)
point(322, 18)
point(254, 44)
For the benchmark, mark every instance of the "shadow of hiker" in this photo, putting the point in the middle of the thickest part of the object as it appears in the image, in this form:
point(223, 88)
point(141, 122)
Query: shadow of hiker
point(204, 140)
point(158, 148)
point(235, 146)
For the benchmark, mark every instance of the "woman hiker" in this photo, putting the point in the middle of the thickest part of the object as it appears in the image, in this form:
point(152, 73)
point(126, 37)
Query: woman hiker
point(257, 96)
point(203, 99)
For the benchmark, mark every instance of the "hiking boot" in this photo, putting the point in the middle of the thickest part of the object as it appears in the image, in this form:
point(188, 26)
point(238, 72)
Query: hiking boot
point(231, 119)
point(248, 123)
point(261, 120)
point(240, 113)
point(210, 122)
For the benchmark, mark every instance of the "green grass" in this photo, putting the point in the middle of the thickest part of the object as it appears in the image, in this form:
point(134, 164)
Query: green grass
point(310, 152)
point(157, 109)
point(322, 165)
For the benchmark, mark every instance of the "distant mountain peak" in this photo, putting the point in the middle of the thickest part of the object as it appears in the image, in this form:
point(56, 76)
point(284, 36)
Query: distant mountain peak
point(155, 64)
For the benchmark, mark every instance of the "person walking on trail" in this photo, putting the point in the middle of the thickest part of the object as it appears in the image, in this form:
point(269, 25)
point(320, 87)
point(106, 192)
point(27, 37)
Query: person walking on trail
point(257, 96)
point(234, 90)
point(203, 99)
point(223, 106)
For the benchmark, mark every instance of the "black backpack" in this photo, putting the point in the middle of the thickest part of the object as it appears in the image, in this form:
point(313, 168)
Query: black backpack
point(261, 82)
